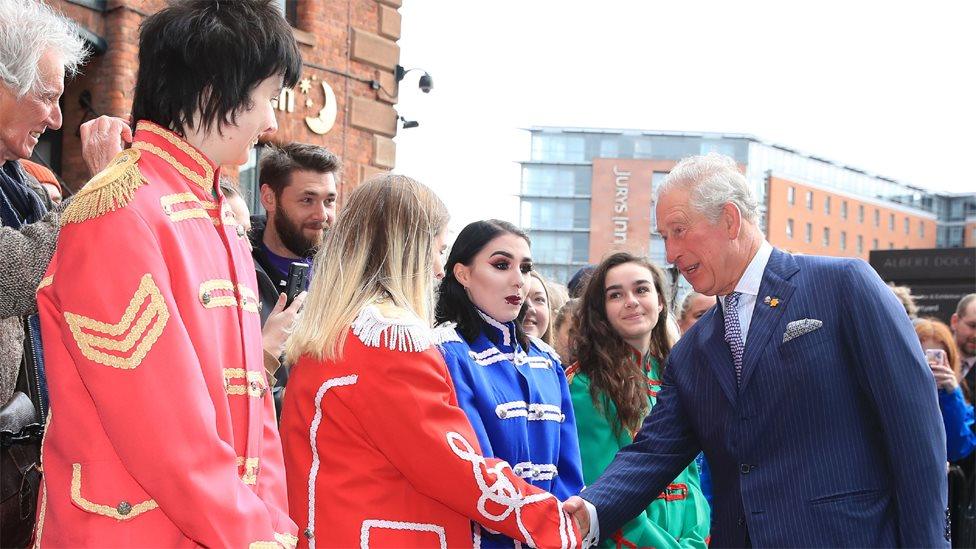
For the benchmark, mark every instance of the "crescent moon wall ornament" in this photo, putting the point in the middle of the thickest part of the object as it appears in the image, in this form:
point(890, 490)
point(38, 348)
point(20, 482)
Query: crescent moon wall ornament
point(326, 118)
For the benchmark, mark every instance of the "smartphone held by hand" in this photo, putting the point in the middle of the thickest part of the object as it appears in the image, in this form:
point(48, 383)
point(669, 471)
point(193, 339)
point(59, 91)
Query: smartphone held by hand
point(935, 356)
point(298, 276)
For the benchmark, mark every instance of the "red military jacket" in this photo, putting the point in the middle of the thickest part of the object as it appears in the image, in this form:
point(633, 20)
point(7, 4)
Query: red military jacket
point(162, 428)
point(378, 453)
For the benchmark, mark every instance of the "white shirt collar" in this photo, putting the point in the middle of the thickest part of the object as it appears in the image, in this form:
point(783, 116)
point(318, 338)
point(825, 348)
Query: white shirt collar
point(752, 277)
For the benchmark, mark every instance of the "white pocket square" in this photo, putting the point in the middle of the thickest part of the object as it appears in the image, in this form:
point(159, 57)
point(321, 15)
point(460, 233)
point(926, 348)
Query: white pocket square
point(799, 327)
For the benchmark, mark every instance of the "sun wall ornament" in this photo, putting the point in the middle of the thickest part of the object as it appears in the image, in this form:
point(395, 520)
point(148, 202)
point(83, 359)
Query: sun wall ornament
point(323, 118)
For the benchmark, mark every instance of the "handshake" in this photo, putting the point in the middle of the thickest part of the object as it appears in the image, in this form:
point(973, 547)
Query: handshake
point(577, 509)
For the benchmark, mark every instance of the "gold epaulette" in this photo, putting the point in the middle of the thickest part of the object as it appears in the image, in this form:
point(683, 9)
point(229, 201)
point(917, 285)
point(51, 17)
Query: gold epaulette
point(110, 189)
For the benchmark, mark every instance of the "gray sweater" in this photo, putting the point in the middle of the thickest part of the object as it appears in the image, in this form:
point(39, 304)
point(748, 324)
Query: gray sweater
point(25, 254)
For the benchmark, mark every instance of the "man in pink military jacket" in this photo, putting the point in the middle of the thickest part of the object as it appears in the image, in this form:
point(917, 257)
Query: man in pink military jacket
point(162, 429)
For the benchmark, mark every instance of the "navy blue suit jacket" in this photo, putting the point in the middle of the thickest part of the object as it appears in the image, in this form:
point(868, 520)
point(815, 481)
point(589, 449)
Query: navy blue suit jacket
point(833, 438)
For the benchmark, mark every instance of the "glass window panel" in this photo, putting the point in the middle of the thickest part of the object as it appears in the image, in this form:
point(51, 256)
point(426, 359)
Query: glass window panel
point(642, 148)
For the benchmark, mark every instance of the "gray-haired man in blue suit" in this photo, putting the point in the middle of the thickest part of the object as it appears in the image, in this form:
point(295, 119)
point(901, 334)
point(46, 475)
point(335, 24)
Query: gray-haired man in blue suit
point(806, 388)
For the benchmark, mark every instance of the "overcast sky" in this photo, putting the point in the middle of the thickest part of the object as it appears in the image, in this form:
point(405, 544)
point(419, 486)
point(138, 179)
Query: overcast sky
point(887, 87)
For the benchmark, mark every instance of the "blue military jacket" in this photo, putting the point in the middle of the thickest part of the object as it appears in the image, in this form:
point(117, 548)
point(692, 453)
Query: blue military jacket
point(519, 404)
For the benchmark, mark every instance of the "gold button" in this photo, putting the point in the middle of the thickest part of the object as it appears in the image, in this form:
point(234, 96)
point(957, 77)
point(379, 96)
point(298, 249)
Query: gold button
point(124, 508)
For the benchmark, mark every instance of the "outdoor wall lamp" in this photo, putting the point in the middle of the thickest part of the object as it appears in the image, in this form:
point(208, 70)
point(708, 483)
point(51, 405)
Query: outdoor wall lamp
point(407, 124)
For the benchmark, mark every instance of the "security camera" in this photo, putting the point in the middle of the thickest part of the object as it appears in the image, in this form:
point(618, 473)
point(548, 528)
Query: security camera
point(426, 83)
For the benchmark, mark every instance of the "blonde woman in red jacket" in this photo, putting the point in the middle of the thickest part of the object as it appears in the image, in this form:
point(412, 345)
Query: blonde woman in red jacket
point(377, 451)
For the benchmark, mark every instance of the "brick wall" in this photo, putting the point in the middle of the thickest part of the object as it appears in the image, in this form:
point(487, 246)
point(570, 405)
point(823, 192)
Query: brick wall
point(779, 212)
point(356, 37)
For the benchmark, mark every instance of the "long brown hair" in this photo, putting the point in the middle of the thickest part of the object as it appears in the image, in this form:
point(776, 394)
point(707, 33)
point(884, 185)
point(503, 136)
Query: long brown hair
point(605, 358)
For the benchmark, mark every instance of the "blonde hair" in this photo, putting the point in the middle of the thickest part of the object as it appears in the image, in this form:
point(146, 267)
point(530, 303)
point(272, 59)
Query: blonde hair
point(379, 248)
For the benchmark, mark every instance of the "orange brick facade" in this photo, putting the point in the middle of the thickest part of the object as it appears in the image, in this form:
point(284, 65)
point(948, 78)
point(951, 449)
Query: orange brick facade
point(355, 37)
point(798, 214)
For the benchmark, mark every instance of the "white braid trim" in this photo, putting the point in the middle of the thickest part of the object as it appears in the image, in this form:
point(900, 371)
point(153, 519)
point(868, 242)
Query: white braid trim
point(544, 347)
point(397, 525)
point(407, 335)
point(312, 434)
point(506, 334)
point(535, 471)
point(532, 412)
point(502, 492)
point(492, 356)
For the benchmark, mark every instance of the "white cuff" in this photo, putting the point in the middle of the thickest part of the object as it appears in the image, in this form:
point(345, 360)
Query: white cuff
point(593, 538)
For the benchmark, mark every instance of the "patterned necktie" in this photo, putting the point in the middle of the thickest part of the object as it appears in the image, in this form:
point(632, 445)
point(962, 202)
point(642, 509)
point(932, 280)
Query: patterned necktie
point(733, 332)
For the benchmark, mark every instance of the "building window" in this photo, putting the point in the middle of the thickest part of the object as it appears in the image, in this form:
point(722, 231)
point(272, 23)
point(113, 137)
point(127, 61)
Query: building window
point(843, 240)
point(907, 228)
point(860, 244)
point(789, 229)
point(874, 244)
point(891, 222)
point(827, 205)
point(289, 8)
point(860, 213)
point(826, 238)
point(791, 195)
point(247, 180)
point(921, 229)
point(843, 210)
point(877, 218)
point(809, 200)
point(809, 233)
point(891, 245)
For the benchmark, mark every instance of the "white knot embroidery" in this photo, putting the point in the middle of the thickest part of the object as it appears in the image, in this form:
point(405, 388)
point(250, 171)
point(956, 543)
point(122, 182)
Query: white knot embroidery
point(503, 493)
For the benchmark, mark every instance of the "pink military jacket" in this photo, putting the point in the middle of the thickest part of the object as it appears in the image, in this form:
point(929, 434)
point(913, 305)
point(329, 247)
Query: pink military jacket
point(162, 431)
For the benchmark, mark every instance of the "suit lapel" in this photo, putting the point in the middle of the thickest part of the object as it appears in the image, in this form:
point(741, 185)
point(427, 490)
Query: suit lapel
point(765, 317)
point(716, 351)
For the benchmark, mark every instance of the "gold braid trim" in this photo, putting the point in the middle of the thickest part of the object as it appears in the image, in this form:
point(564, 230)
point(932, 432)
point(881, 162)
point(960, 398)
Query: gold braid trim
point(140, 339)
point(251, 467)
point(287, 540)
point(130, 511)
point(45, 282)
point(111, 189)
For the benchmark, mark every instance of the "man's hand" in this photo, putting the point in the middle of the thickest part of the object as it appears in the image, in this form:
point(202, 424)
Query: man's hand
point(577, 509)
point(280, 323)
point(102, 139)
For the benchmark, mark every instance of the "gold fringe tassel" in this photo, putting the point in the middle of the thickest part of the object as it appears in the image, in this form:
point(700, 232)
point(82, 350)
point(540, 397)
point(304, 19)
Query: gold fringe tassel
point(109, 190)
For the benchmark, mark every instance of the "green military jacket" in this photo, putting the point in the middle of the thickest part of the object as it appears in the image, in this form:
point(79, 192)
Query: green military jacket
point(680, 516)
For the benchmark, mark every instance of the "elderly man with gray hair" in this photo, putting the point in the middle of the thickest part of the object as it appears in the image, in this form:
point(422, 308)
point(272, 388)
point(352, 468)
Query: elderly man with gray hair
point(38, 47)
point(806, 389)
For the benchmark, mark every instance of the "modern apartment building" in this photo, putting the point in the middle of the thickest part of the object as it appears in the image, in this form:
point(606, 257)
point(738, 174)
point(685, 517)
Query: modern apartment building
point(586, 192)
